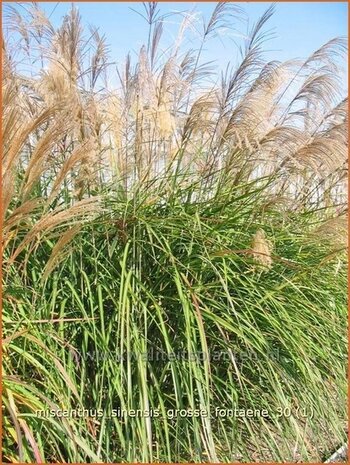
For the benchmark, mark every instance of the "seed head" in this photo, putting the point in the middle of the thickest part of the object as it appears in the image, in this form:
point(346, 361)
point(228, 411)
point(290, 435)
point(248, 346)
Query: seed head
point(261, 249)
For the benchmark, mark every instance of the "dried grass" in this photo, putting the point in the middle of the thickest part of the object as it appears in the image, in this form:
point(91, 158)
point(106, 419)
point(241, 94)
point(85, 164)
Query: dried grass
point(67, 134)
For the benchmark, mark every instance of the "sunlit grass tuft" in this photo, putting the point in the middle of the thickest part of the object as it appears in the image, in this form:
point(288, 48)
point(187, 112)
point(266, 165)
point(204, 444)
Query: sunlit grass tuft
point(169, 247)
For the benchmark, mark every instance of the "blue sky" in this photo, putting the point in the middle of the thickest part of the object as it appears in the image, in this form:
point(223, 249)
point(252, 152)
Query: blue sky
point(298, 28)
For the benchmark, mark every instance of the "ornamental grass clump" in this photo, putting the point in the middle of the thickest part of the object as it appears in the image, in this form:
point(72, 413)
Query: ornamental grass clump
point(173, 244)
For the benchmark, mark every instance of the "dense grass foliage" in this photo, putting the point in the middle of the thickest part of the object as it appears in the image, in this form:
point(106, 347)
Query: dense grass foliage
point(188, 259)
